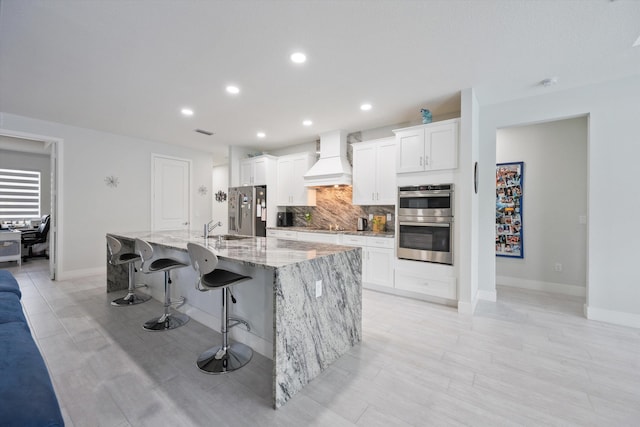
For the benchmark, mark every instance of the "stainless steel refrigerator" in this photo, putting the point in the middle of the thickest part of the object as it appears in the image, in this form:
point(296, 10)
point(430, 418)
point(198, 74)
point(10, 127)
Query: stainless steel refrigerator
point(248, 211)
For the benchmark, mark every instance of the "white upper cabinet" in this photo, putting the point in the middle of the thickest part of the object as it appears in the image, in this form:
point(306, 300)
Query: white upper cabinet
point(291, 189)
point(374, 172)
point(428, 147)
point(254, 171)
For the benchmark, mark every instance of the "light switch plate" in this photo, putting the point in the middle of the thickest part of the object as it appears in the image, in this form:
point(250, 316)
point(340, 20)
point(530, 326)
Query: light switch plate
point(318, 288)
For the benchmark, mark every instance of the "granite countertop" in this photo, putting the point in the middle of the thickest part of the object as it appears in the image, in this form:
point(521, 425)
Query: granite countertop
point(262, 252)
point(389, 234)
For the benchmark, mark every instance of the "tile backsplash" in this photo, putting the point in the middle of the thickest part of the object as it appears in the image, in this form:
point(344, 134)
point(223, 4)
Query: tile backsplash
point(333, 207)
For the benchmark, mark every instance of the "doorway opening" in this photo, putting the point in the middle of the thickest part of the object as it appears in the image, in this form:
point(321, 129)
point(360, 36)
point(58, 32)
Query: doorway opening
point(38, 153)
point(552, 224)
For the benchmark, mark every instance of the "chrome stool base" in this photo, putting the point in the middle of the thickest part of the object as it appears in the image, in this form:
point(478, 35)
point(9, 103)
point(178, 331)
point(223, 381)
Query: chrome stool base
point(217, 361)
point(166, 322)
point(130, 299)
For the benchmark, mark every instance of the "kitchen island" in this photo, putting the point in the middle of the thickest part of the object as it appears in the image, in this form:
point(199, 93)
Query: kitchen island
point(309, 294)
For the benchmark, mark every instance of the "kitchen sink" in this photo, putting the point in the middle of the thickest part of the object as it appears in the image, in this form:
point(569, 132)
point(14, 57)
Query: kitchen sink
point(228, 236)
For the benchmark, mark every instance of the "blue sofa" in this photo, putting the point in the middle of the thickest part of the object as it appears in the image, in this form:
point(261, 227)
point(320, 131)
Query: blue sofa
point(27, 398)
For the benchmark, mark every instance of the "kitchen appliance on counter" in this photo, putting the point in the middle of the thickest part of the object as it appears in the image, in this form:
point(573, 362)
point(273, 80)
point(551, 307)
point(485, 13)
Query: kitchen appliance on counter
point(248, 211)
point(425, 223)
point(379, 224)
point(362, 224)
point(284, 219)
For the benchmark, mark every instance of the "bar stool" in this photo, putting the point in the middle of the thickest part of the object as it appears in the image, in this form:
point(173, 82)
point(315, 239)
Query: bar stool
point(117, 257)
point(169, 319)
point(222, 358)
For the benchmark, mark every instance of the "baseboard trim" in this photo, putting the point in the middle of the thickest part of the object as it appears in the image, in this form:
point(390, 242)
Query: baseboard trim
point(487, 295)
point(536, 285)
point(467, 307)
point(610, 316)
point(75, 274)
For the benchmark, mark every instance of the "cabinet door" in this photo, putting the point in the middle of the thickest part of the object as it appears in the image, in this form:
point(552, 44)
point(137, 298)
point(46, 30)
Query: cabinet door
point(364, 174)
point(318, 237)
point(441, 146)
point(410, 150)
point(260, 171)
point(385, 173)
point(246, 172)
point(285, 172)
point(301, 195)
point(378, 268)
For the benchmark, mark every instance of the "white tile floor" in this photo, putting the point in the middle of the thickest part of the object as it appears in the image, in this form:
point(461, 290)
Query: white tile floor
point(530, 359)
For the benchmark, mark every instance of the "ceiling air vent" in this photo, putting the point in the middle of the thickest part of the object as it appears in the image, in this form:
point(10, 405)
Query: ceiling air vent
point(204, 132)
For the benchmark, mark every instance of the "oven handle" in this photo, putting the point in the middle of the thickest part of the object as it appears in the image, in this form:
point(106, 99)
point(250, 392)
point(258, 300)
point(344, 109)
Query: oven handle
point(422, 194)
point(427, 224)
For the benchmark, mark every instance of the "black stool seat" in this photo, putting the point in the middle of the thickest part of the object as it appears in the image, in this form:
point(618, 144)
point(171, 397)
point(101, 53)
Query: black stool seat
point(117, 257)
point(170, 319)
point(162, 264)
point(127, 257)
point(225, 357)
point(220, 277)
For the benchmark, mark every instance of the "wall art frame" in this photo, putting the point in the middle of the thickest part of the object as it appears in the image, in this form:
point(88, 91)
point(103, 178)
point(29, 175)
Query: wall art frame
point(509, 209)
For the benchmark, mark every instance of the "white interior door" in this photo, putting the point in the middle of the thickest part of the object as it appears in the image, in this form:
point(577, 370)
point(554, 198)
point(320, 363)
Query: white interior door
point(170, 192)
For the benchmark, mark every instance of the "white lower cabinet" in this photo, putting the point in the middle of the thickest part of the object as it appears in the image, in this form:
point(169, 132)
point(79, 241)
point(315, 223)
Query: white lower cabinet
point(381, 271)
point(430, 280)
point(282, 234)
point(318, 237)
point(377, 259)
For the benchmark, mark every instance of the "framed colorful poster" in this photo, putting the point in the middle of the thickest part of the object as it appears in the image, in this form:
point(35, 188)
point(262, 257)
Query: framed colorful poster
point(509, 194)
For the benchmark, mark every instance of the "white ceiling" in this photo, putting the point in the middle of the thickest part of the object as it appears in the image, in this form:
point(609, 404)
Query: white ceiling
point(128, 67)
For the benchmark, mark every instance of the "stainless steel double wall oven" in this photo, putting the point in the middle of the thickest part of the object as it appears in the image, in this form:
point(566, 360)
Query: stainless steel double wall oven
point(425, 223)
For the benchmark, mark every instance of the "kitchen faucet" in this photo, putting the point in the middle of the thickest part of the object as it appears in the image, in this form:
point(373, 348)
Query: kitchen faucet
point(208, 228)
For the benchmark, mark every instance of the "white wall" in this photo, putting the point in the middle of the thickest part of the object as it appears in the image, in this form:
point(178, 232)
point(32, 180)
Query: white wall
point(88, 208)
point(32, 162)
point(219, 210)
point(613, 282)
point(555, 196)
point(466, 244)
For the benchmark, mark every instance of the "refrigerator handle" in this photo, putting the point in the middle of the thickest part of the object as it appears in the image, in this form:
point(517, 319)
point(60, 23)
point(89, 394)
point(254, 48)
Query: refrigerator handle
point(238, 212)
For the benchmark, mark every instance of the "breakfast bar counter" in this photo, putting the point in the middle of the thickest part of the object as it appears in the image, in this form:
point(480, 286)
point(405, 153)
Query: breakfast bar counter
point(310, 293)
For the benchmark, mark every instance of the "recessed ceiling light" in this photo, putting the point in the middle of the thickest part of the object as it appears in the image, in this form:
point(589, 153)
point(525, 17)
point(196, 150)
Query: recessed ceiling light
point(261, 134)
point(307, 122)
point(187, 112)
point(365, 107)
point(234, 90)
point(298, 57)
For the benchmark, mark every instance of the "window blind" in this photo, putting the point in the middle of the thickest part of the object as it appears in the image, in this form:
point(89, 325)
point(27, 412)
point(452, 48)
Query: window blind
point(19, 194)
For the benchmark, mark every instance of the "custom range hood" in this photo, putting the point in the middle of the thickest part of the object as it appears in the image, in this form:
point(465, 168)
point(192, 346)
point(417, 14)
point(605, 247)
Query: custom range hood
point(332, 168)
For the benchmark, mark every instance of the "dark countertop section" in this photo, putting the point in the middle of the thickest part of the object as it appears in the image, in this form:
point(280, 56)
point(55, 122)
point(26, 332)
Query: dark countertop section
point(389, 234)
